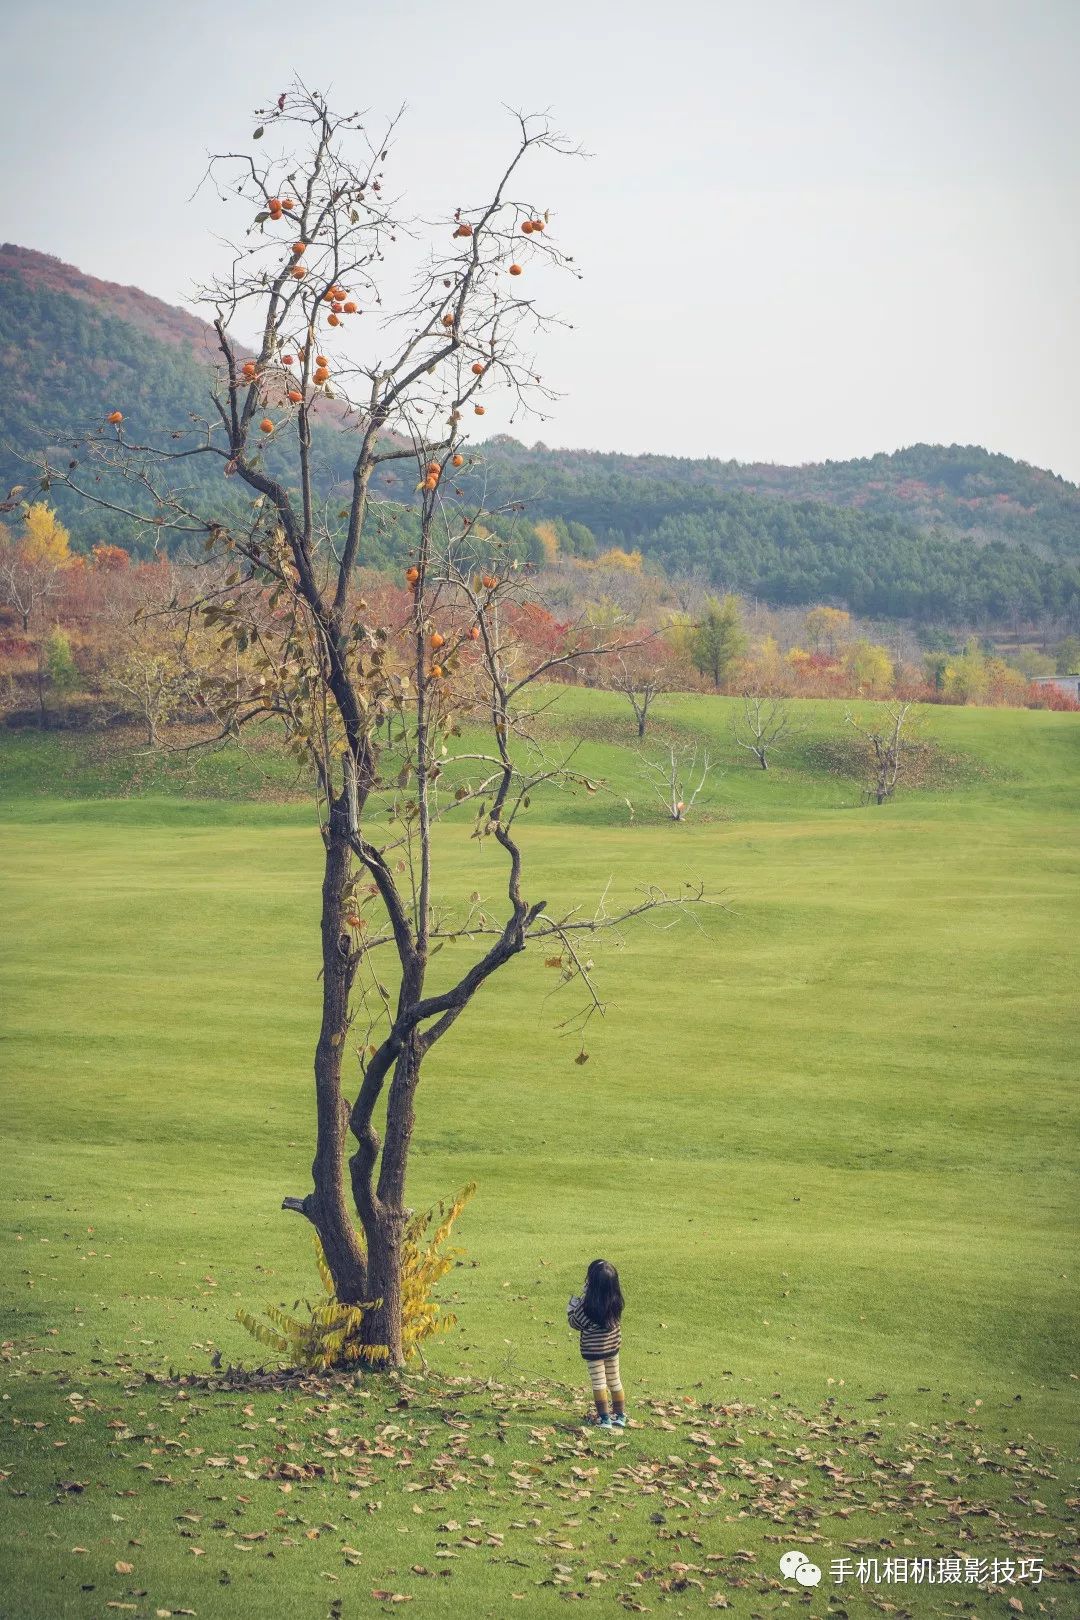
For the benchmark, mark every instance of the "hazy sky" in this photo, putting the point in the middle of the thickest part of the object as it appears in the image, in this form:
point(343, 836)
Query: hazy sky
point(808, 228)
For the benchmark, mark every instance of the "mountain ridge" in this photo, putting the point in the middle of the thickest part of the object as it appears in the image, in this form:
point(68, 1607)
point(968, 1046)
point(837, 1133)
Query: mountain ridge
point(170, 323)
point(955, 531)
point(166, 322)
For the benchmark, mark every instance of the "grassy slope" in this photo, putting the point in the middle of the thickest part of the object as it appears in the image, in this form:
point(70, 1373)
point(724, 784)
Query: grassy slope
point(826, 1136)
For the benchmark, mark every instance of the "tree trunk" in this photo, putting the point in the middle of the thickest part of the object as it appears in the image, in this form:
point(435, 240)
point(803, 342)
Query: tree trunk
point(764, 762)
point(326, 1206)
point(382, 1209)
point(382, 1324)
point(641, 726)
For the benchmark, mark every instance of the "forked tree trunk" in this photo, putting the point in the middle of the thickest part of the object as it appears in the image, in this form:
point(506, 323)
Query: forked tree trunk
point(382, 1208)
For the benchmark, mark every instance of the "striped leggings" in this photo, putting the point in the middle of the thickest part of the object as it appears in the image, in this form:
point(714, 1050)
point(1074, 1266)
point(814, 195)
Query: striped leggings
point(606, 1386)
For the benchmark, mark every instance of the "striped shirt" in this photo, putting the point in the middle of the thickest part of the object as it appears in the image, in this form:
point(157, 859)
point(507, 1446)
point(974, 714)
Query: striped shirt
point(597, 1343)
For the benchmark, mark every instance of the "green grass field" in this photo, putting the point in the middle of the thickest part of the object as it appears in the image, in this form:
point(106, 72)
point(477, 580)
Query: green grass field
point(827, 1132)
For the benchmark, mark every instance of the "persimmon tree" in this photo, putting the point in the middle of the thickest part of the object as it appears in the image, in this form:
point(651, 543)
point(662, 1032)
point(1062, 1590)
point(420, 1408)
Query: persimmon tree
point(763, 725)
point(890, 736)
point(392, 333)
point(671, 778)
point(640, 673)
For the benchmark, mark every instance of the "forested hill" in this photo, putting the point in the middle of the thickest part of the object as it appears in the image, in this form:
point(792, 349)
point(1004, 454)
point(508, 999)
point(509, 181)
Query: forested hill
point(962, 489)
point(947, 533)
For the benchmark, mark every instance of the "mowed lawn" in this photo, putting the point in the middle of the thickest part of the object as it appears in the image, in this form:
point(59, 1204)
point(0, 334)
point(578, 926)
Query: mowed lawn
point(827, 1129)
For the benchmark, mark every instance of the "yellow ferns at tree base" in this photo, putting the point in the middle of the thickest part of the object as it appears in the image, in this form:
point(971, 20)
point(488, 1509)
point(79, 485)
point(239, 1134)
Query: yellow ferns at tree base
point(329, 1336)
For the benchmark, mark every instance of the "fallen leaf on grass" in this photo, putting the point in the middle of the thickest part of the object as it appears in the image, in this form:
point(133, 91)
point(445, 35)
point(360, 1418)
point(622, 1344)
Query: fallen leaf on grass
point(123, 1569)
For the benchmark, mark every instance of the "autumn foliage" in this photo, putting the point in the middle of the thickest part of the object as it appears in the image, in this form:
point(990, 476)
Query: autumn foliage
point(135, 662)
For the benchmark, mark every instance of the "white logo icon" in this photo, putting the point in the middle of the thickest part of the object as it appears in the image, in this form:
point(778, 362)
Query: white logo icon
point(797, 1564)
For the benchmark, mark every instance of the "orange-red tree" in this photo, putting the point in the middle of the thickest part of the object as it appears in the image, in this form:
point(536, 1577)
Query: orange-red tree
point(402, 358)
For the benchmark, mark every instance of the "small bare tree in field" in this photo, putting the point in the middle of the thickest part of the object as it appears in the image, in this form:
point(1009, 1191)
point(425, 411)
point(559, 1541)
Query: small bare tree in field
point(400, 357)
point(640, 674)
point(889, 735)
point(671, 778)
point(763, 725)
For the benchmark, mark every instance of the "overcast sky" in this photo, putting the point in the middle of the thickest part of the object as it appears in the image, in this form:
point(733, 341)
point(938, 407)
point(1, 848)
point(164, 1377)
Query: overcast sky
point(809, 228)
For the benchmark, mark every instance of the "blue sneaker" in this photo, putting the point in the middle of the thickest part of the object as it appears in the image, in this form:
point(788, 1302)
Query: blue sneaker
point(619, 1420)
point(604, 1423)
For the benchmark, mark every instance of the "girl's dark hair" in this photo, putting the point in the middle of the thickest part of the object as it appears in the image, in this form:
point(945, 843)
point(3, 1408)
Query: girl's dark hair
point(603, 1301)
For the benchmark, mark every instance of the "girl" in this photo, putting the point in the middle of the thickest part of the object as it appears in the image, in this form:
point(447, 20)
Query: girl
point(596, 1313)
